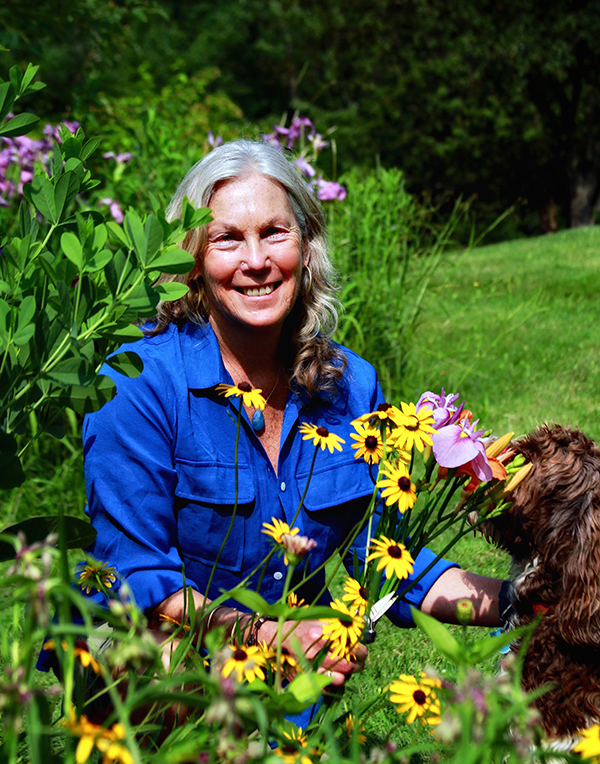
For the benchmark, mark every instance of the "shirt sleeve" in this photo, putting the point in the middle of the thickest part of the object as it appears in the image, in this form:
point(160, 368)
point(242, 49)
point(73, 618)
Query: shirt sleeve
point(130, 482)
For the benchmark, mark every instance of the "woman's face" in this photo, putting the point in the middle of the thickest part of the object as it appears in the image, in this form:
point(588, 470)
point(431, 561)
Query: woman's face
point(253, 261)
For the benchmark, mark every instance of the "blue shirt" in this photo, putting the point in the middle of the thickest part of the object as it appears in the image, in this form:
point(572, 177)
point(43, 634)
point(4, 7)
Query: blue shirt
point(160, 478)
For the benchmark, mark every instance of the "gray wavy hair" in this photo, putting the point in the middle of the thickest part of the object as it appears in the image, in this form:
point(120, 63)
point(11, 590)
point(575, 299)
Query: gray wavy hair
point(314, 362)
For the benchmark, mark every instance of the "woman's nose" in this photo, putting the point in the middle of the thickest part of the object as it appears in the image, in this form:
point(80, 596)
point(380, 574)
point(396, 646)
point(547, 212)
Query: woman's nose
point(255, 256)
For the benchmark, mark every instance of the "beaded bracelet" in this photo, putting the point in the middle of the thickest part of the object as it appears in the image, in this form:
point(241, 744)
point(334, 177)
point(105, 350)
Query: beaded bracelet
point(253, 638)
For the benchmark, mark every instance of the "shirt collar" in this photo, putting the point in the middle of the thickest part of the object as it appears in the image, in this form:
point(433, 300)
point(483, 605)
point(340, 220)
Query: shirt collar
point(204, 365)
point(202, 360)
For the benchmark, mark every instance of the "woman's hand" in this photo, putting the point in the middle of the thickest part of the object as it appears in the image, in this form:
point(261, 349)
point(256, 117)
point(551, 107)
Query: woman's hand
point(309, 634)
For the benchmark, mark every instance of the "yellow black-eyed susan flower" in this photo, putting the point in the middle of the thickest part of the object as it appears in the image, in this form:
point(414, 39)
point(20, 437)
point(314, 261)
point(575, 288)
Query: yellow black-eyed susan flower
point(321, 436)
point(293, 747)
point(356, 595)
point(589, 745)
point(278, 529)
point(368, 443)
point(414, 427)
point(418, 697)
point(247, 662)
point(350, 724)
point(96, 576)
point(397, 486)
point(250, 396)
point(293, 601)
point(393, 556)
point(343, 636)
point(105, 739)
point(80, 651)
point(385, 412)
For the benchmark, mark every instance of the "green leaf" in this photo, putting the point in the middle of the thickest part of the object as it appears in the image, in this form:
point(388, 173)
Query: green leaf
point(154, 236)
point(19, 125)
point(98, 260)
point(173, 260)
point(192, 218)
point(307, 688)
point(7, 99)
point(15, 75)
point(89, 147)
point(41, 195)
point(440, 636)
point(118, 233)
point(72, 371)
point(85, 400)
point(78, 533)
point(126, 333)
point(100, 236)
point(67, 188)
point(135, 230)
point(171, 291)
point(71, 246)
point(485, 648)
point(127, 363)
point(27, 78)
point(11, 471)
point(143, 299)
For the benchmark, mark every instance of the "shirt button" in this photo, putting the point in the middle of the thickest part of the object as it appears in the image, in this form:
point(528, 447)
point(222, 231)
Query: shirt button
point(278, 575)
point(282, 486)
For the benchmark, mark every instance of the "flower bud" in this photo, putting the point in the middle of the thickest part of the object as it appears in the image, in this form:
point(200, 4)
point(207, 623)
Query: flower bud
point(464, 611)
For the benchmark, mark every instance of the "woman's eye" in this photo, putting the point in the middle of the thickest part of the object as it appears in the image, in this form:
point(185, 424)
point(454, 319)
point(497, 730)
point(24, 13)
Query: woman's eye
point(273, 231)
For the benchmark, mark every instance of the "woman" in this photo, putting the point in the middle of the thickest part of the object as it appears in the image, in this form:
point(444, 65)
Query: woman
point(160, 469)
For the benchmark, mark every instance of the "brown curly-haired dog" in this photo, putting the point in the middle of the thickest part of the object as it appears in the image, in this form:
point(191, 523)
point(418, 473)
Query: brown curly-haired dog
point(552, 532)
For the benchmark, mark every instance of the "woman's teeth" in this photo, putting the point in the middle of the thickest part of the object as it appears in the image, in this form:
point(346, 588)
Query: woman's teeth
point(259, 291)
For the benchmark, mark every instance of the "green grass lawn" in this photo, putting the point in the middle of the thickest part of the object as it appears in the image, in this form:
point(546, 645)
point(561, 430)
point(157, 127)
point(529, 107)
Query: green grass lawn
point(515, 328)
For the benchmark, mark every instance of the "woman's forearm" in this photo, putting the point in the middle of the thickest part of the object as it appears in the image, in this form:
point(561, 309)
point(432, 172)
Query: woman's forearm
point(456, 584)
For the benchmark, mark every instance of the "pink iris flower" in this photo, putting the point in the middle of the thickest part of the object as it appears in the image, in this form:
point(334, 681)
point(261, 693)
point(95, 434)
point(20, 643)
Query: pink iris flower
point(444, 407)
point(458, 444)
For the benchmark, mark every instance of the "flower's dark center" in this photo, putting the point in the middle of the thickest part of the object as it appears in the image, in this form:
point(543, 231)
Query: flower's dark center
point(284, 651)
point(371, 442)
point(245, 387)
point(414, 425)
point(240, 655)
point(322, 431)
point(419, 697)
point(395, 552)
point(404, 483)
point(384, 406)
point(364, 593)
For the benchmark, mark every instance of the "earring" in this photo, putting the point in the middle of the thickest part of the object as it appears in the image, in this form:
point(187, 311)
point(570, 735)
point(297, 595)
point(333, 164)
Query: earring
point(310, 281)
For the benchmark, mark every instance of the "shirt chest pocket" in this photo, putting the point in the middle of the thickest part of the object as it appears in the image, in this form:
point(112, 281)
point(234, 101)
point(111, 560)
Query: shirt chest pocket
point(337, 497)
point(211, 528)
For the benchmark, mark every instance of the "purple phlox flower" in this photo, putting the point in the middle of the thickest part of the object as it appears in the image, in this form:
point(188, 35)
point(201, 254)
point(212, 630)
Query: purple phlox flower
point(328, 190)
point(445, 410)
point(305, 167)
point(114, 208)
point(121, 158)
point(213, 141)
point(458, 444)
point(318, 142)
point(273, 140)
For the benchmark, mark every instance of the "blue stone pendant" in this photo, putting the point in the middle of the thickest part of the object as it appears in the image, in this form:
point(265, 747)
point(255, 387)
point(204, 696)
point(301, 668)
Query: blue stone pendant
point(258, 420)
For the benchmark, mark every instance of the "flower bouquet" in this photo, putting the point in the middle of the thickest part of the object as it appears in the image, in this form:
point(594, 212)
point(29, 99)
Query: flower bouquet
point(464, 476)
